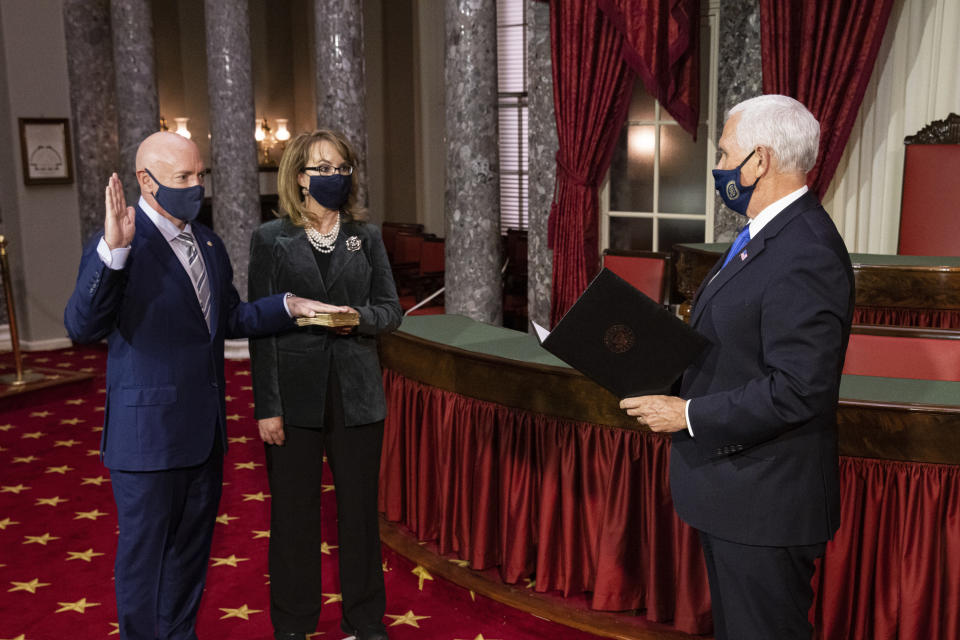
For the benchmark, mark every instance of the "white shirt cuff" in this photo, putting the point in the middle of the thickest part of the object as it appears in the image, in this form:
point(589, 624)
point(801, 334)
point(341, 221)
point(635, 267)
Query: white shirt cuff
point(285, 307)
point(115, 259)
point(686, 414)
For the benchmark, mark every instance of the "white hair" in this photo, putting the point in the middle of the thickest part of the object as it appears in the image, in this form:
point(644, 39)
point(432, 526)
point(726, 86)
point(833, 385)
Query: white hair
point(781, 124)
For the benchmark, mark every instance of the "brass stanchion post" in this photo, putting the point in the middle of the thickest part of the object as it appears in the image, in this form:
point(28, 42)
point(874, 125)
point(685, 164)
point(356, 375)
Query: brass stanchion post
point(21, 377)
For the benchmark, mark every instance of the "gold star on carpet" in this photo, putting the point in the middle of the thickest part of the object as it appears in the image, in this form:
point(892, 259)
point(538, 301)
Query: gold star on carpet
point(64, 364)
point(326, 488)
point(422, 574)
point(80, 605)
point(96, 429)
point(102, 390)
point(30, 587)
point(225, 519)
point(116, 629)
point(91, 356)
point(230, 561)
point(41, 414)
point(531, 583)
point(87, 369)
point(89, 515)
point(72, 421)
point(314, 634)
point(53, 376)
point(44, 539)
point(50, 502)
point(33, 435)
point(407, 618)
point(93, 452)
point(6, 522)
point(61, 470)
point(76, 401)
point(463, 564)
point(332, 597)
point(242, 373)
point(260, 496)
point(385, 567)
point(247, 388)
point(99, 480)
point(245, 465)
point(261, 534)
point(243, 612)
point(20, 637)
point(86, 556)
point(228, 398)
point(479, 637)
point(473, 596)
point(66, 443)
point(233, 416)
point(239, 439)
point(6, 427)
point(325, 548)
point(100, 408)
point(13, 488)
point(25, 459)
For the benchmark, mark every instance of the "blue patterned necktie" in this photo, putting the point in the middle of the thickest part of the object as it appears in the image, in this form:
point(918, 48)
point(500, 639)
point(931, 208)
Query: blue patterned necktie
point(741, 241)
point(197, 273)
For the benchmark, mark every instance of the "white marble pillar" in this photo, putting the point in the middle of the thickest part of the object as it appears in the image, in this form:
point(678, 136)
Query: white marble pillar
point(138, 112)
point(340, 75)
point(472, 202)
point(233, 150)
point(93, 112)
point(543, 147)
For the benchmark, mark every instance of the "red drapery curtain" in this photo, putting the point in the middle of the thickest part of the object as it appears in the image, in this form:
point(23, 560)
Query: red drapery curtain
point(899, 317)
point(585, 508)
point(663, 47)
point(822, 53)
point(592, 86)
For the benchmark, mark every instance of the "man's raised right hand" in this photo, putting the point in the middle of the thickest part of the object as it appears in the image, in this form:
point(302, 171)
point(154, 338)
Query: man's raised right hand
point(119, 223)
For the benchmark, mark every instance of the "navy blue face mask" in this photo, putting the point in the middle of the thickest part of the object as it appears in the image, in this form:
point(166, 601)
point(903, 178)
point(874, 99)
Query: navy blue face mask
point(183, 204)
point(727, 183)
point(330, 191)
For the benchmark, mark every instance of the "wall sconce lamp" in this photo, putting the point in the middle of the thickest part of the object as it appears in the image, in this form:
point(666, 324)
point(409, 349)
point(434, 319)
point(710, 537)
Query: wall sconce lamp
point(282, 134)
point(163, 124)
point(265, 140)
point(182, 127)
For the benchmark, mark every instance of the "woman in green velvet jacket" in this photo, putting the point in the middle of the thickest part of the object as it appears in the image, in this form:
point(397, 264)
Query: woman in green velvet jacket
point(319, 390)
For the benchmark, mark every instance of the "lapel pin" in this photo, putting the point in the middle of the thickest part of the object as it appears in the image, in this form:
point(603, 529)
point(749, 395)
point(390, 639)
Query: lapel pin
point(353, 243)
point(209, 244)
point(743, 256)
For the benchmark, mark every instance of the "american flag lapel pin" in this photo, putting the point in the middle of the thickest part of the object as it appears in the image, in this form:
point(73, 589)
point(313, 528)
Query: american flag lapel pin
point(743, 256)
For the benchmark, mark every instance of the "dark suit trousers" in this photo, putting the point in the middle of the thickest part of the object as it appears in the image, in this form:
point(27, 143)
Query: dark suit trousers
point(166, 520)
point(760, 593)
point(294, 471)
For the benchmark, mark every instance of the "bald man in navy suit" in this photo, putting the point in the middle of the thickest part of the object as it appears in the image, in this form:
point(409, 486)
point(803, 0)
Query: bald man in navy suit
point(159, 288)
point(754, 465)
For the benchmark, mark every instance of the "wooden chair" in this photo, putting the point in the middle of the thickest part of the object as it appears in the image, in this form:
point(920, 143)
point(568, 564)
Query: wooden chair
point(648, 271)
point(389, 230)
point(930, 204)
point(903, 352)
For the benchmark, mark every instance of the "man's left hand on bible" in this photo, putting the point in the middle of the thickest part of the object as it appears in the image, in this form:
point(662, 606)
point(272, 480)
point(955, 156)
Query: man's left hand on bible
point(306, 308)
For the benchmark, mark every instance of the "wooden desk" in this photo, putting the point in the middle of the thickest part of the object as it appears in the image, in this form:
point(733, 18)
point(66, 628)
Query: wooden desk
point(888, 283)
point(499, 454)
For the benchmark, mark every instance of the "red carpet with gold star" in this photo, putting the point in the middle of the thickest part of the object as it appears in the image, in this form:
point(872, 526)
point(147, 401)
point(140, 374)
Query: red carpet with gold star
point(58, 532)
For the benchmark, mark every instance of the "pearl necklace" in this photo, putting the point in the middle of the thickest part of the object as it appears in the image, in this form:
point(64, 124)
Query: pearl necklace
point(323, 242)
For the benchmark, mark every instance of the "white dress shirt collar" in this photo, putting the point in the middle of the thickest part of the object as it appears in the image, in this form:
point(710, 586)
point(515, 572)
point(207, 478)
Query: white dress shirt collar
point(773, 209)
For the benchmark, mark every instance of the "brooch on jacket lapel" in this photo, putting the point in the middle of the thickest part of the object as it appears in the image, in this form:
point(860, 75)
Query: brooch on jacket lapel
point(353, 243)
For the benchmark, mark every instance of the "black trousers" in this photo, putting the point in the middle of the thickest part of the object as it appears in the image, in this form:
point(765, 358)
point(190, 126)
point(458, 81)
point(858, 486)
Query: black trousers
point(294, 472)
point(760, 593)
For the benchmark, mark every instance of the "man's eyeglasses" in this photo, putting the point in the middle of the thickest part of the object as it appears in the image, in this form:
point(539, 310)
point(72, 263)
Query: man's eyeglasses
point(329, 170)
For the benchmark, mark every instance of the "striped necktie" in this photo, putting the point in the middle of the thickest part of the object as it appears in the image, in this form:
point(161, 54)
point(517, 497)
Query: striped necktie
point(739, 243)
point(197, 273)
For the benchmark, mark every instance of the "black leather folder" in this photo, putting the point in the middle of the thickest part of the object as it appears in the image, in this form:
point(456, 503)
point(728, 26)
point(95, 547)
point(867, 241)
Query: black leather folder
point(623, 340)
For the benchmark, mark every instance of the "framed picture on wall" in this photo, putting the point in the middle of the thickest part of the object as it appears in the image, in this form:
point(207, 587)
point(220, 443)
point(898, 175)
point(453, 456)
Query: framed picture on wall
point(45, 150)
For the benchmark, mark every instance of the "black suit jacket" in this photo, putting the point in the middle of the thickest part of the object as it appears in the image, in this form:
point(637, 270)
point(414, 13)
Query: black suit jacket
point(762, 467)
point(290, 369)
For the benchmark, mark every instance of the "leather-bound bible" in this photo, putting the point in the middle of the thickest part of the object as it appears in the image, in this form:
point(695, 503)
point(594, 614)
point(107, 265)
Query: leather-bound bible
point(623, 340)
point(349, 319)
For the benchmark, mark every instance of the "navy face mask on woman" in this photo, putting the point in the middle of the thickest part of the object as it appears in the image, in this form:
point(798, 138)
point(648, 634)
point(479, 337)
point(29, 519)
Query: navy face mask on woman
point(183, 204)
point(330, 191)
point(727, 183)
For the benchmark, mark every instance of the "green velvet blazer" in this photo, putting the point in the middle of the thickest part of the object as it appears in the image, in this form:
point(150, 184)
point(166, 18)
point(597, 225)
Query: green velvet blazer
point(290, 369)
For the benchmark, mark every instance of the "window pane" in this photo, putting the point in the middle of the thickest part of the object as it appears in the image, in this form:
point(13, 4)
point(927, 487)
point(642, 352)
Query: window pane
point(672, 231)
point(631, 170)
point(641, 103)
point(683, 187)
point(631, 233)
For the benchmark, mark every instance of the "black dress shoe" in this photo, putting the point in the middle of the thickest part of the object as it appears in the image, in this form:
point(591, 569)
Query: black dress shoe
point(289, 635)
point(374, 633)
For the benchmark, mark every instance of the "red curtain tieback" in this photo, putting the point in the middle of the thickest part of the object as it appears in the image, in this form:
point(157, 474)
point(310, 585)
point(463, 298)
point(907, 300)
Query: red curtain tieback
point(572, 175)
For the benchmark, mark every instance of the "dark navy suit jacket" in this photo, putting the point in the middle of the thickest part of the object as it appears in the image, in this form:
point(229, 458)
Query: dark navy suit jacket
point(165, 384)
point(762, 467)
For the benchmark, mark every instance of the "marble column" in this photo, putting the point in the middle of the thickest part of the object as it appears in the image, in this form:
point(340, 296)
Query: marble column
point(341, 76)
point(138, 113)
point(739, 77)
point(543, 145)
point(93, 112)
point(233, 150)
point(472, 201)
